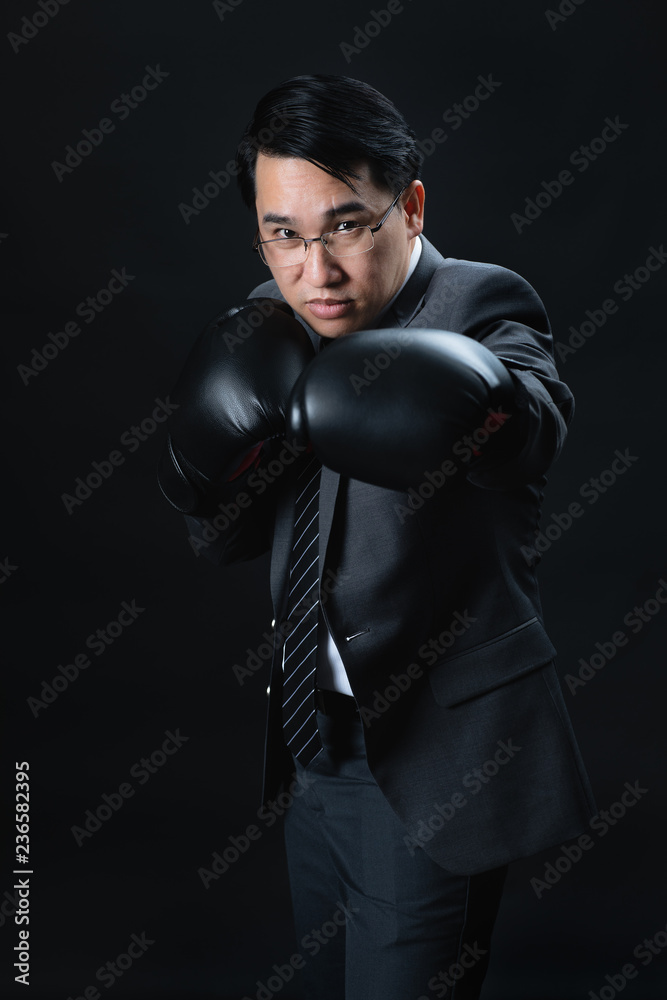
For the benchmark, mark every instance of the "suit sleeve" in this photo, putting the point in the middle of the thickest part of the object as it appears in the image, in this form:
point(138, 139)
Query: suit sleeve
point(504, 313)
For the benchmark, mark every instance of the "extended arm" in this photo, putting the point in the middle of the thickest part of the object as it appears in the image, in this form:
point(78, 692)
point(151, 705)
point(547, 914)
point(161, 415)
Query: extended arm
point(386, 406)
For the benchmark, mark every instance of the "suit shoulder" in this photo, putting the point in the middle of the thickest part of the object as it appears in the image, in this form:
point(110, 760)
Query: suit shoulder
point(473, 273)
point(267, 290)
point(464, 284)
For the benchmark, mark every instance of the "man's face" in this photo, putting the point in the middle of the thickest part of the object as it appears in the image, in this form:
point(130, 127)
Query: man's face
point(336, 295)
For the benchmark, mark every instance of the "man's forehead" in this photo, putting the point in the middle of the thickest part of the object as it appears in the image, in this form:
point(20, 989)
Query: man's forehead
point(285, 186)
point(333, 211)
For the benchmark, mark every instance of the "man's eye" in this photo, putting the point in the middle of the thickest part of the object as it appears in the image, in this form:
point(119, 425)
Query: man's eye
point(344, 227)
point(285, 234)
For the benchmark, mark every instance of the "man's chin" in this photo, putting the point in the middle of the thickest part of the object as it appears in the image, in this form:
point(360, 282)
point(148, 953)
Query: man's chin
point(332, 329)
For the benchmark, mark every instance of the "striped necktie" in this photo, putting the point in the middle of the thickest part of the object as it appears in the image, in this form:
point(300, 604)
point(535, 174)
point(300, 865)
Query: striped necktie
point(299, 719)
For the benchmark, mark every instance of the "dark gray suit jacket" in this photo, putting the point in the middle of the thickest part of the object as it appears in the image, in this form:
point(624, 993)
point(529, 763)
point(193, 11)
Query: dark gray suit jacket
point(435, 610)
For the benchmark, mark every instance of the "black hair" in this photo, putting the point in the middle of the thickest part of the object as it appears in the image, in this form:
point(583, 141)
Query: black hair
point(336, 123)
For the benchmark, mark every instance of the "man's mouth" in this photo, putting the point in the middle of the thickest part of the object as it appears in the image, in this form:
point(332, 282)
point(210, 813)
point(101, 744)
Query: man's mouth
point(329, 308)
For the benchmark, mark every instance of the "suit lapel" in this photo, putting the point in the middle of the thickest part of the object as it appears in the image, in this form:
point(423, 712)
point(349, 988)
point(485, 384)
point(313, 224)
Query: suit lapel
point(412, 298)
point(328, 492)
point(281, 549)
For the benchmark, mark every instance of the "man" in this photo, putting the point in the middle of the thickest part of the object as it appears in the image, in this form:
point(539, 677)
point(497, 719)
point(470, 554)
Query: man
point(381, 418)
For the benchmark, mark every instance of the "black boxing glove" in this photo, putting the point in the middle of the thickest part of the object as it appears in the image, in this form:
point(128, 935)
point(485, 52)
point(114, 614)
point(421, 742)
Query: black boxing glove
point(231, 396)
point(386, 406)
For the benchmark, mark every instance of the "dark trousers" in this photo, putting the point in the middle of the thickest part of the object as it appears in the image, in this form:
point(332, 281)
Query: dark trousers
point(376, 918)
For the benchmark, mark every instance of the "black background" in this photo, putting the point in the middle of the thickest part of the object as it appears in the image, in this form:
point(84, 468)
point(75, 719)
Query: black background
point(172, 667)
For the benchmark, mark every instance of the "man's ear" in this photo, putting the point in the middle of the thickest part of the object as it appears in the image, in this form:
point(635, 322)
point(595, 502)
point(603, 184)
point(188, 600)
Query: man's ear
point(413, 206)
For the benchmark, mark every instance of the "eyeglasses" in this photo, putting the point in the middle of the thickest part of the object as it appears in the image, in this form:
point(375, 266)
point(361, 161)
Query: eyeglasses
point(339, 242)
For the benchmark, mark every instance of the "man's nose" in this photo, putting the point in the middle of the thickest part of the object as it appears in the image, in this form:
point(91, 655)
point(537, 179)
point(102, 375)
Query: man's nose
point(320, 266)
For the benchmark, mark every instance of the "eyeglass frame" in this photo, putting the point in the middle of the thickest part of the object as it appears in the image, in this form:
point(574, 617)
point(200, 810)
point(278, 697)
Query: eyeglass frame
point(320, 239)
